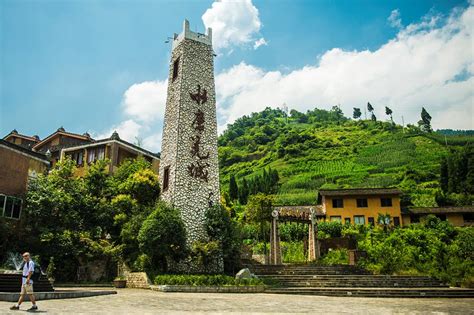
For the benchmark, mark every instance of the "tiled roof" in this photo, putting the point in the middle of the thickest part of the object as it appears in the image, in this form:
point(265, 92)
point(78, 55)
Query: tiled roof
point(114, 138)
point(63, 132)
point(16, 134)
point(298, 213)
point(24, 150)
point(441, 210)
point(359, 192)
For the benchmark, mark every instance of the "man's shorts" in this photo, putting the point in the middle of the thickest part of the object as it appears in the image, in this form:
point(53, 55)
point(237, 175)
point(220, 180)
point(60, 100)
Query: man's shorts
point(27, 289)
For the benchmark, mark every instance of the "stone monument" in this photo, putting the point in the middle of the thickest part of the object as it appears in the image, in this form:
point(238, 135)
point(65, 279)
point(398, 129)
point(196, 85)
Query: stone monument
point(189, 170)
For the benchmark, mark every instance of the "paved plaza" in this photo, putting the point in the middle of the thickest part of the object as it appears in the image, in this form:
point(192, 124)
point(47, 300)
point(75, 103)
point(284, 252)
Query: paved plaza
point(136, 301)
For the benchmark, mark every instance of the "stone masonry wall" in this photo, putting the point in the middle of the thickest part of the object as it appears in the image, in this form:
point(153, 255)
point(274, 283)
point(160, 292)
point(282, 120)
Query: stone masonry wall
point(189, 145)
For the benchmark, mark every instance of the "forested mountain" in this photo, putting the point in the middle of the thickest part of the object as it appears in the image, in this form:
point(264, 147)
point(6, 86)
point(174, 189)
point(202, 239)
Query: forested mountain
point(325, 149)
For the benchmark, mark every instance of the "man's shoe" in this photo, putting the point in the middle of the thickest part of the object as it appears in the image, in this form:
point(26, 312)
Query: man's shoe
point(15, 308)
point(33, 308)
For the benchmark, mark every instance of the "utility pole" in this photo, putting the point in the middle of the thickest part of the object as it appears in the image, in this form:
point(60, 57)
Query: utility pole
point(403, 124)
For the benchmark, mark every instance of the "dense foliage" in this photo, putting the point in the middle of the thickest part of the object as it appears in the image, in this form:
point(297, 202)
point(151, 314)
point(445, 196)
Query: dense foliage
point(433, 247)
point(457, 178)
point(222, 229)
point(162, 237)
point(98, 220)
point(324, 149)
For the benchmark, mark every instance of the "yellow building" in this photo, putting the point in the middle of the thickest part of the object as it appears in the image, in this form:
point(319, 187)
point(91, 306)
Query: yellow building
point(361, 205)
point(457, 216)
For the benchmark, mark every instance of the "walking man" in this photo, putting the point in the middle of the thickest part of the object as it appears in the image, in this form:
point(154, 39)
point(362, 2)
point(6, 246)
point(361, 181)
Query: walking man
point(27, 283)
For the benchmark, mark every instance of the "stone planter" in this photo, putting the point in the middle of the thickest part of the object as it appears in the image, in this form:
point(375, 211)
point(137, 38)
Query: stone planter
point(119, 284)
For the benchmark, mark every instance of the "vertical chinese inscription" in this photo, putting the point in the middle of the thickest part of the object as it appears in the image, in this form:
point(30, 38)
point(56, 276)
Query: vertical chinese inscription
point(199, 168)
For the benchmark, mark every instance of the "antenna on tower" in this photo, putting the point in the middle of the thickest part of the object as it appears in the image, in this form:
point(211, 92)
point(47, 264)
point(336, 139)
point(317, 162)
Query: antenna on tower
point(168, 39)
point(285, 109)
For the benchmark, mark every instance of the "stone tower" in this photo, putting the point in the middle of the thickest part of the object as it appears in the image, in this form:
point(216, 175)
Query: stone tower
point(189, 170)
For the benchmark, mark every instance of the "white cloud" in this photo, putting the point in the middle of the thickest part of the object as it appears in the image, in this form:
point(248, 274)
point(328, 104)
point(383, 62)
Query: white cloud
point(233, 23)
point(128, 130)
point(394, 19)
point(417, 68)
point(428, 64)
point(144, 106)
point(260, 42)
point(153, 141)
point(145, 101)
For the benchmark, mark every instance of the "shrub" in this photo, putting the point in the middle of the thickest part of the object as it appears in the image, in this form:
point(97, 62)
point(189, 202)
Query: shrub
point(335, 257)
point(163, 236)
point(293, 252)
point(333, 229)
point(204, 280)
point(223, 230)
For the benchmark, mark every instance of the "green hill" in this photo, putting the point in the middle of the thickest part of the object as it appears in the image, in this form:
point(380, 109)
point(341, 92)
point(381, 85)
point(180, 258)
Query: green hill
point(324, 149)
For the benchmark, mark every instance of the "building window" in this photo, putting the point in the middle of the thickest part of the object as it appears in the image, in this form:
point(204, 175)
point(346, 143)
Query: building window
point(166, 178)
point(78, 158)
point(396, 221)
point(335, 218)
point(347, 220)
point(90, 156)
point(468, 217)
point(95, 154)
point(338, 203)
point(10, 207)
point(359, 219)
point(386, 202)
point(371, 221)
point(175, 68)
point(101, 153)
point(362, 203)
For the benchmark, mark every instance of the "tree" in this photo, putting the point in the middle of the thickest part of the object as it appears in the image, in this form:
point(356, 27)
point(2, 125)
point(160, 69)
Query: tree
point(357, 113)
point(373, 118)
point(244, 192)
point(233, 188)
point(259, 210)
point(143, 185)
point(425, 122)
point(162, 236)
point(388, 112)
point(221, 228)
point(65, 220)
point(336, 109)
point(370, 108)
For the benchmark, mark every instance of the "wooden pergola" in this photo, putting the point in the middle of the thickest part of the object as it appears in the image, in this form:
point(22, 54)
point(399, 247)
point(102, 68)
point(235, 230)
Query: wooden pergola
point(300, 214)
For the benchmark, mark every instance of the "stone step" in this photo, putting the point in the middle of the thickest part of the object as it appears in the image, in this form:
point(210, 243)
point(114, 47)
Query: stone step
point(363, 284)
point(305, 269)
point(346, 277)
point(378, 292)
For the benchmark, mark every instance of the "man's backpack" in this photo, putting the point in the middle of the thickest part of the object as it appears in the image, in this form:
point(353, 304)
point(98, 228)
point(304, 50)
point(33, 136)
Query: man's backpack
point(36, 273)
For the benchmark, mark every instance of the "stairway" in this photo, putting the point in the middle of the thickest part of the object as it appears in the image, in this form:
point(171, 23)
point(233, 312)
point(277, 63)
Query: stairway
point(345, 280)
point(11, 282)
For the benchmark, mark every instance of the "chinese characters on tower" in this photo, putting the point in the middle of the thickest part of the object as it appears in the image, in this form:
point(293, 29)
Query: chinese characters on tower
point(198, 169)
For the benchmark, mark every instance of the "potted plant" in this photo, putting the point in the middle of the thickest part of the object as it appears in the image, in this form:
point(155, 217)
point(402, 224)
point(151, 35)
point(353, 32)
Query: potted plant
point(120, 282)
point(51, 270)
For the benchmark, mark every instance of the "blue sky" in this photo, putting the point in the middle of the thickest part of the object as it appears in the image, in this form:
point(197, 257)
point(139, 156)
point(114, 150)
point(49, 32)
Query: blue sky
point(97, 66)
